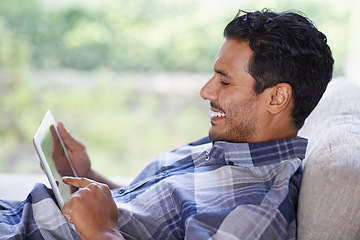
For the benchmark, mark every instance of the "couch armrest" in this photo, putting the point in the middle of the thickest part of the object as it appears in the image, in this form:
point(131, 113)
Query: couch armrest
point(329, 206)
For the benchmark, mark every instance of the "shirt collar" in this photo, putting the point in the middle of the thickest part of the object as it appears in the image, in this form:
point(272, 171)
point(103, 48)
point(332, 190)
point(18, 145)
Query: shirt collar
point(261, 153)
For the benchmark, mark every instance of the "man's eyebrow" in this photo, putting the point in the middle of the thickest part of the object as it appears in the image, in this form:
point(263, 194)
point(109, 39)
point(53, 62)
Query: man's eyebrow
point(222, 73)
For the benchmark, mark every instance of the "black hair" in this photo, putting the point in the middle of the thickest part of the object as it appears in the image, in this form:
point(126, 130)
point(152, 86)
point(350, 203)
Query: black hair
point(287, 48)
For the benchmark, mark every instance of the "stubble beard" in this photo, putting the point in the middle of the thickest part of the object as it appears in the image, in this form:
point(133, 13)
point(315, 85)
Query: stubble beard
point(239, 132)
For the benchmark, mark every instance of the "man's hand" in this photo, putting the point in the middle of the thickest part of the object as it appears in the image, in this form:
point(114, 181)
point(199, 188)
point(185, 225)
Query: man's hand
point(78, 156)
point(92, 210)
point(76, 150)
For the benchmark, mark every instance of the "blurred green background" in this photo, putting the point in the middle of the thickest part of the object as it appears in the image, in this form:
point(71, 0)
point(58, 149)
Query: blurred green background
point(125, 75)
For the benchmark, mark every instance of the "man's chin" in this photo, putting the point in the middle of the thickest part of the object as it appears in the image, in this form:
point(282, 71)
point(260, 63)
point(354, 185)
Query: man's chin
point(218, 138)
point(226, 137)
point(215, 136)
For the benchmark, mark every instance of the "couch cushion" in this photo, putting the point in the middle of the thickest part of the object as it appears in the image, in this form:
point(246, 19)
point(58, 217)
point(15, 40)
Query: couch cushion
point(329, 201)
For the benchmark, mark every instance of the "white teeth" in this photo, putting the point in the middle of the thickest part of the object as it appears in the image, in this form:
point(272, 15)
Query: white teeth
point(218, 114)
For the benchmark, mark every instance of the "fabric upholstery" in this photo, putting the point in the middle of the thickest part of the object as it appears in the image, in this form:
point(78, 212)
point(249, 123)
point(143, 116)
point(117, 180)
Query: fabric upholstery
point(329, 201)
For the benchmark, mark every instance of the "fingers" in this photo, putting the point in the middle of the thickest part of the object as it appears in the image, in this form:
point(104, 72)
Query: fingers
point(92, 209)
point(62, 129)
point(67, 215)
point(55, 138)
point(65, 135)
point(76, 197)
point(56, 151)
point(69, 141)
point(77, 182)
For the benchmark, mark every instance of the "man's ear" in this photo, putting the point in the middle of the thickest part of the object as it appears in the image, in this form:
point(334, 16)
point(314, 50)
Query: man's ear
point(280, 97)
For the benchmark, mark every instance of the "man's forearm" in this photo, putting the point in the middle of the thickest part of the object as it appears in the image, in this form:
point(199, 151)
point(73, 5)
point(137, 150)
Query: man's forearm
point(98, 177)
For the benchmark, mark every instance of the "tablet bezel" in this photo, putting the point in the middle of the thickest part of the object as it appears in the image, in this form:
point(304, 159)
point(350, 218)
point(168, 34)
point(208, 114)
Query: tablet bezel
point(44, 127)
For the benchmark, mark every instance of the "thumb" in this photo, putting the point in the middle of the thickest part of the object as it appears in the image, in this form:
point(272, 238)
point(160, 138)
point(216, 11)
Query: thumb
point(66, 213)
point(68, 139)
point(62, 130)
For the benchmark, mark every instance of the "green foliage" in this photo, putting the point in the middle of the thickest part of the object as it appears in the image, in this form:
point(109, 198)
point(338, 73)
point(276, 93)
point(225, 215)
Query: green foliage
point(113, 37)
point(141, 35)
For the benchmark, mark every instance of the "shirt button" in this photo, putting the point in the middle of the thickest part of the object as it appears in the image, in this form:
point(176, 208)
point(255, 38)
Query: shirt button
point(165, 173)
point(121, 191)
point(207, 157)
point(231, 163)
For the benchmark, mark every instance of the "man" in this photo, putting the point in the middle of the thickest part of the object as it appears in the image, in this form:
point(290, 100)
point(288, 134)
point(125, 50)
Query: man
point(242, 182)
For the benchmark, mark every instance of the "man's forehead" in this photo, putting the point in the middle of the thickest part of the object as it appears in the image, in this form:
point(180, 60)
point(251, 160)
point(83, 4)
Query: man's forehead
point(232, 56)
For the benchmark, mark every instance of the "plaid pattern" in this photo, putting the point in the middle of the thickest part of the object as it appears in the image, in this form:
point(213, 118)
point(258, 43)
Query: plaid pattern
point(36, 218)
point(202, 190)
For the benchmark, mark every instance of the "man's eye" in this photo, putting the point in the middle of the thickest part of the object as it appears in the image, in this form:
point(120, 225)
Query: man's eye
point(224, 83)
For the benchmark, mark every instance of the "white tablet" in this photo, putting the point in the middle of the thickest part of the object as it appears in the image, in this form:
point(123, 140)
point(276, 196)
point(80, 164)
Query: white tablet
point(43, 145)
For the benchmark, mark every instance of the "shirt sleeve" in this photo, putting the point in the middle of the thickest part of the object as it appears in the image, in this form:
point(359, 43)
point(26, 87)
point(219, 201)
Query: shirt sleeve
point(244, 222)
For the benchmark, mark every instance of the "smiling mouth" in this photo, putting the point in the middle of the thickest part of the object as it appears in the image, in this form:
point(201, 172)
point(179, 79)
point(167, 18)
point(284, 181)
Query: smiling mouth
point(217, 111)
point(218, 114)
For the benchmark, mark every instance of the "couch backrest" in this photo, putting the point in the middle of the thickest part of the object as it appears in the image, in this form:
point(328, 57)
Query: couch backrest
point(329, 201)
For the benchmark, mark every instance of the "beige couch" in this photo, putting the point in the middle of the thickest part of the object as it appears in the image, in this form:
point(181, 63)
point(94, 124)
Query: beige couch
point(329, 203)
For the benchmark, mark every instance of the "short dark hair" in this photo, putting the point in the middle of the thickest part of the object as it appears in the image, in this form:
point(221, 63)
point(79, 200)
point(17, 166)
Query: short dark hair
point(287, 48)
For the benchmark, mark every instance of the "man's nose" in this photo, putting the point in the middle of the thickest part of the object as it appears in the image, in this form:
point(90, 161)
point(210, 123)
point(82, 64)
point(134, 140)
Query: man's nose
point(208, 91)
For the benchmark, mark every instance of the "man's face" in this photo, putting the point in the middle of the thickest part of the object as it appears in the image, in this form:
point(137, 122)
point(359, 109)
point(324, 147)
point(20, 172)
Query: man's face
point(231, 93)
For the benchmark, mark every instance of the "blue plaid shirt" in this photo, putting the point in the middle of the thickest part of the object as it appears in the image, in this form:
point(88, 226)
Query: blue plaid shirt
point(202, 190)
